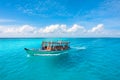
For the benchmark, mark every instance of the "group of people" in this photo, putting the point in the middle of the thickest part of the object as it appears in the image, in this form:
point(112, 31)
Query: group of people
point(54, 46)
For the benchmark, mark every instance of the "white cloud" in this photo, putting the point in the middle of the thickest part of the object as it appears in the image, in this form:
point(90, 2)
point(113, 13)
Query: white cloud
point(56, 30)
point(61, 29)
point(51, 28)
point(21, 29)
point(75, 28)
point(26, 28)
point(98, 28)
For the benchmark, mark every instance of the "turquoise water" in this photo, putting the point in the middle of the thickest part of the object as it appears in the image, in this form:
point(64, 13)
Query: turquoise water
point(89, 59)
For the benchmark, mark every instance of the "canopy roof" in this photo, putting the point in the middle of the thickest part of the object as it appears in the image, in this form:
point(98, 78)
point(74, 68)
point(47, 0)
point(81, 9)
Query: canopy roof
point(55, 42)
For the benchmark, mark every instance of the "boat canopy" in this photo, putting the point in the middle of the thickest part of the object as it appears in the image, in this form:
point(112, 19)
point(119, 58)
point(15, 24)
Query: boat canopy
point(53, 43)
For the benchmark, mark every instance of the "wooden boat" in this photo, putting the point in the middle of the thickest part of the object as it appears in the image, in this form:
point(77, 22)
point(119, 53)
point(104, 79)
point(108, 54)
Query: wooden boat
point(50, 48)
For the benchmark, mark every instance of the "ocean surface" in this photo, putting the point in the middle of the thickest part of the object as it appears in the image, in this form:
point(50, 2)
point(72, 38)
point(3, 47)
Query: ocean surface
point(88, 59)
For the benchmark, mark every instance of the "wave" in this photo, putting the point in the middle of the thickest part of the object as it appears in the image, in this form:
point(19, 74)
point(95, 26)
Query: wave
point(47, 54)
point(44, 55)
point(79, 48)
point(28, 55)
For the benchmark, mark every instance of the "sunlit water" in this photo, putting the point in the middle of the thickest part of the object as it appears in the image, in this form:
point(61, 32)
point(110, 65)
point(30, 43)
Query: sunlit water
point(88, 59)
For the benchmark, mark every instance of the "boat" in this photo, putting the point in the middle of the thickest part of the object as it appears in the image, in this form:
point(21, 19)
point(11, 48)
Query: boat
point(50, 47)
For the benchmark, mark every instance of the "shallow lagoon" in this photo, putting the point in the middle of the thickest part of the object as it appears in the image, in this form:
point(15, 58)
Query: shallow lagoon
point(89, 59)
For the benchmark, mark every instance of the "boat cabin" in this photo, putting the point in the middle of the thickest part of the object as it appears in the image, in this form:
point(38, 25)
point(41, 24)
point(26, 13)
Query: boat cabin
point(55, 46)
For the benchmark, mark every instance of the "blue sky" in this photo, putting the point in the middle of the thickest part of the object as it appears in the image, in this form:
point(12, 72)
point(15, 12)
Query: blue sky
point(80, 18)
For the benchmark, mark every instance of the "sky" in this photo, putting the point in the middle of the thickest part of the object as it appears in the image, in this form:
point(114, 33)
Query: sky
point(59, 18)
